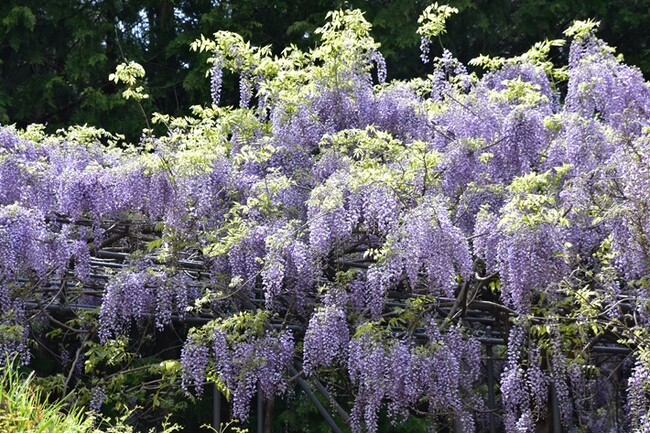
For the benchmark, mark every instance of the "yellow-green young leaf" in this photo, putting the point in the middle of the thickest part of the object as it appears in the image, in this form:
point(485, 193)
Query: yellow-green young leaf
point(152, 245)
point(170, 366)
point(371, 327)
point(433, 18)
point(129, 74)
point(581, 29)
point(595, 329)
point(520, 92)
point(485, 157)
point(495, 285)
point(488, 62)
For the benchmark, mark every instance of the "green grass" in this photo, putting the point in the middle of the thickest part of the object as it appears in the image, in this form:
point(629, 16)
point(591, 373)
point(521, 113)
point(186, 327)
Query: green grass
point(25, 408)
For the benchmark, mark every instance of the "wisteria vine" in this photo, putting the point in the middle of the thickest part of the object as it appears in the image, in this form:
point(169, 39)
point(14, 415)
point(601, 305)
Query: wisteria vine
point(338, 224)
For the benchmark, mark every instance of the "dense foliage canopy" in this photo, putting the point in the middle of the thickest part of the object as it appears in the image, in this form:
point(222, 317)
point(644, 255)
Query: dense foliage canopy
point(371, 235)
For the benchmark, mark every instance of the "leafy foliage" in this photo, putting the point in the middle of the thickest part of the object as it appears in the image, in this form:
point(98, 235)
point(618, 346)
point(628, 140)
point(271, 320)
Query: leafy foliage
point(25, 407)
